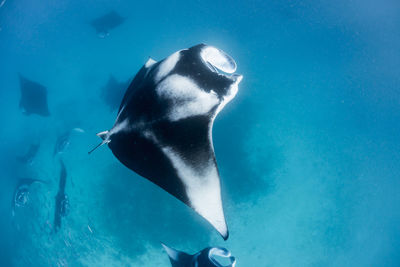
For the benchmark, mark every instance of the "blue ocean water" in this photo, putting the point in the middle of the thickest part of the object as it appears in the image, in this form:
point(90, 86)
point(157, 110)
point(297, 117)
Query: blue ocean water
point(308, 151)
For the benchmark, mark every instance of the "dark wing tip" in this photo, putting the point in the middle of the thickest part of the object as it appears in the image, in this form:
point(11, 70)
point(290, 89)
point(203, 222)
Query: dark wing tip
point(226, 236)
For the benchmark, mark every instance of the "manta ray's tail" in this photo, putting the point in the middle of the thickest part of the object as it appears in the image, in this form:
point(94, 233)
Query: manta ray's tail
point(104, 136)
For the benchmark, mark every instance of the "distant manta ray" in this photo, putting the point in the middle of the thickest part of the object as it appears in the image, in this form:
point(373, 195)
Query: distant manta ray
point(30, 154)
point(63, 140)
point(163, 129)
point(208, 257)
point(33, 98)
point(114, 91)
point(107, 22)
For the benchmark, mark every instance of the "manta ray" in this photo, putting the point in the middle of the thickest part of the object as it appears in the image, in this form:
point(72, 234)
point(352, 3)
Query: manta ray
point(208, 257)
point(63, 140)
point(30, 154)
point(114, 91)
point(107, 22)
point(33, 98)
point(163, 129)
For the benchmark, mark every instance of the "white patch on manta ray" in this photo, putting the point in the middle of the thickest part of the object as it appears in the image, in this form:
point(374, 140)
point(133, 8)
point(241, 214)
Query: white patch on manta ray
point(167, 65)
point(203, 191)
point(231, 93)
point(188, 99)
point(123, 126)
point(150, 62)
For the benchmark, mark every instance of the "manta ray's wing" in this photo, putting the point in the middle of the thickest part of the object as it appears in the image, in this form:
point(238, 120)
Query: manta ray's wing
point(178, 157)
point(33, 97)
point(135, 83)
point(178, 258)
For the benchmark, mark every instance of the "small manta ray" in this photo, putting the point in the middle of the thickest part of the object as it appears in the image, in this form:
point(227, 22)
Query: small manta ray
point(208, 257)
point(163, 129)
point(63, 141)
point(29, 156)
point(21, 193)
point(114, 91)
point(33, 98)
point(62, 202)
point(107, 22)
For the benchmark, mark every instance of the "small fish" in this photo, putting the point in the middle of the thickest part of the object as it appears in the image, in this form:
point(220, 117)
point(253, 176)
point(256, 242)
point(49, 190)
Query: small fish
point(62, 202)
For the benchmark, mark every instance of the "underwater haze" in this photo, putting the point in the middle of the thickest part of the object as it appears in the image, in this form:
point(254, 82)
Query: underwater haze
point(308, 150)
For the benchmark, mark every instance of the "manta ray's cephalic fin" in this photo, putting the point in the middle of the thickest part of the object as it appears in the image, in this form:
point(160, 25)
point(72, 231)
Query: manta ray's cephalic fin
point(103, 135)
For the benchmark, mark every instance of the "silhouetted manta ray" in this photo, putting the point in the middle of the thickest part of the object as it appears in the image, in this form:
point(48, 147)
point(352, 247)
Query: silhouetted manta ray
point(28, 157)
point(208, 257)
point(163, 130)
point(63, 140)
point(62, 203)
point(62, 143)
point(114, 91)
point(33, 98)
point(107, 22)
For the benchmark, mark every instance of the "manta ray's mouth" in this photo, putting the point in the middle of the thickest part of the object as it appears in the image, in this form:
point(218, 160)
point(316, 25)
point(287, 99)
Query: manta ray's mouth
point(219, 62)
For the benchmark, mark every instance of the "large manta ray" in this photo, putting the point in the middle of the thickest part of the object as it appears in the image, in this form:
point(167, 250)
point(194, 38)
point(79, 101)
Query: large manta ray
point(163, 130)
point(33, 98)
point(208, 257)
